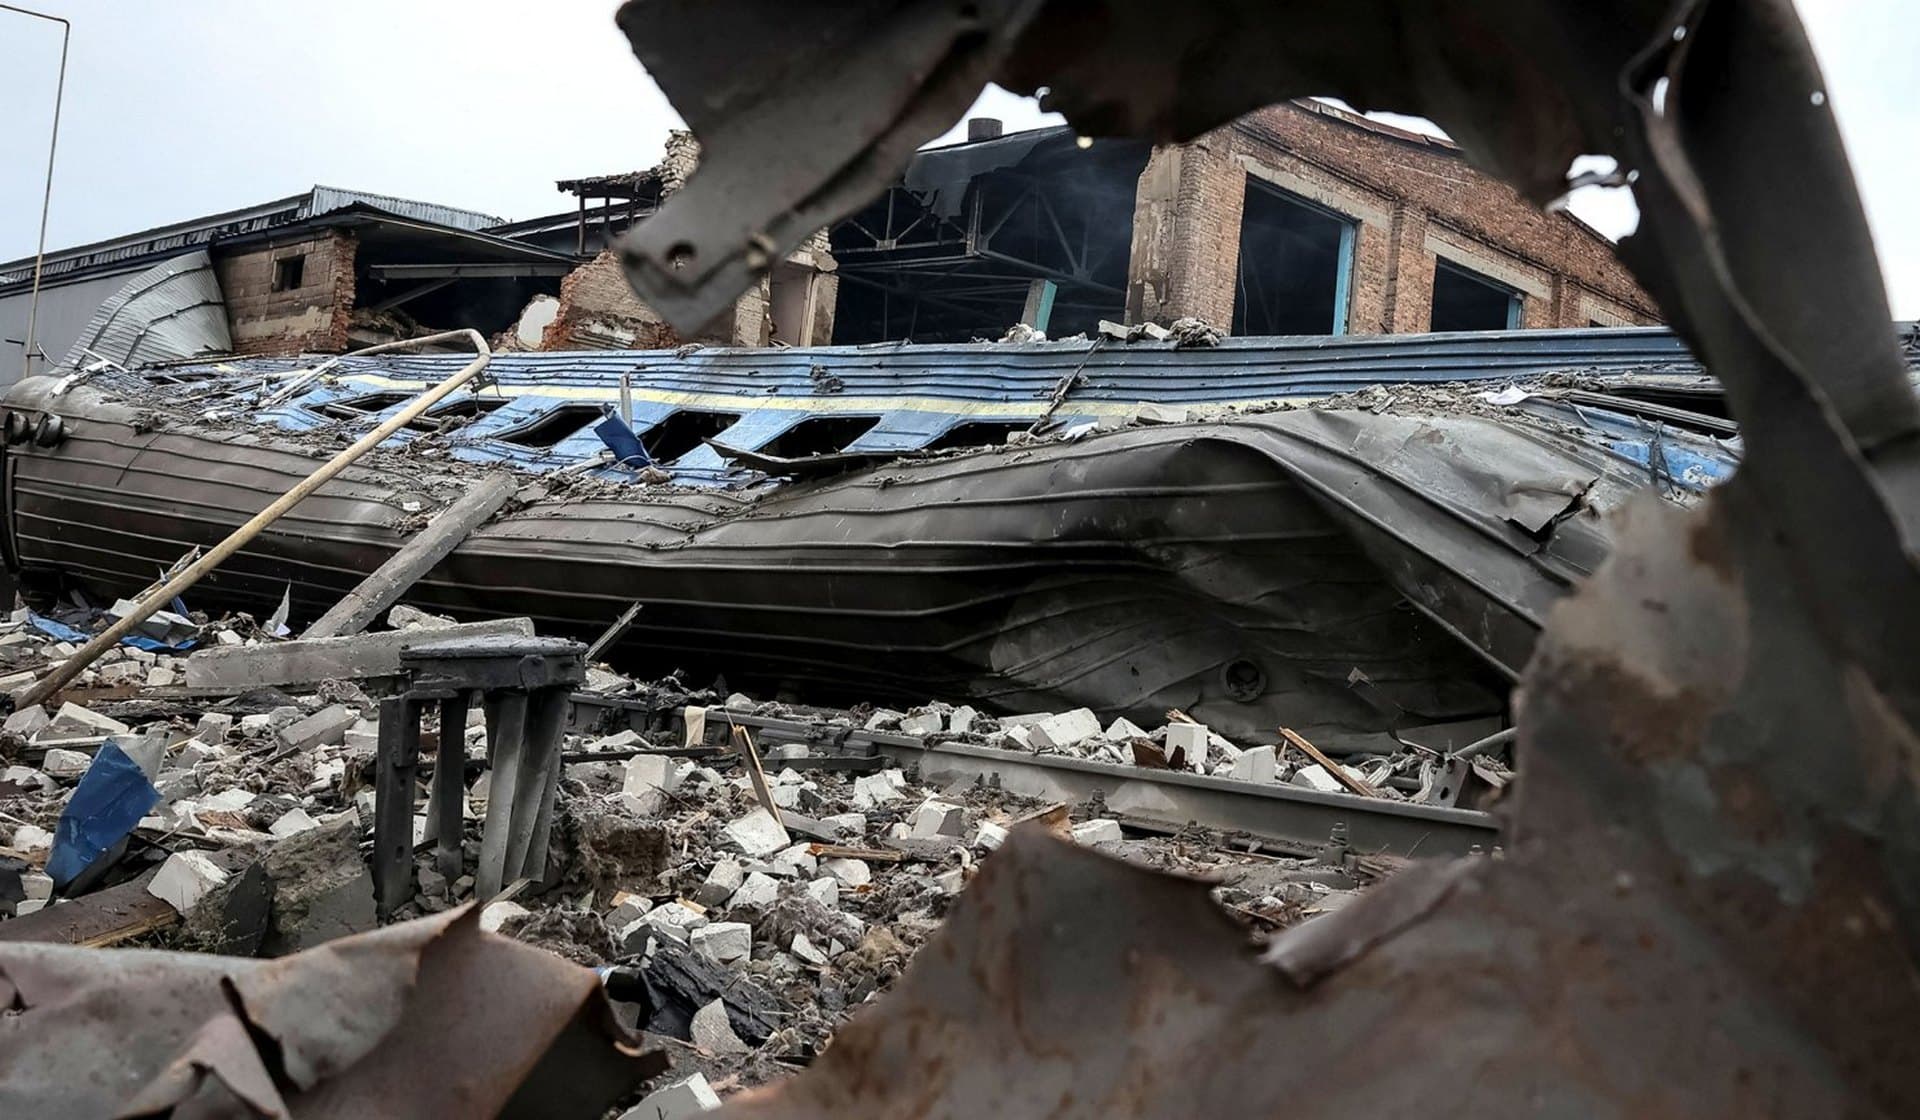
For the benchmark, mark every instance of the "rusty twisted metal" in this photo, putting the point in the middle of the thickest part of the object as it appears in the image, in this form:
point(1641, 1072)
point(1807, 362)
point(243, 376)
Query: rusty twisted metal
point(1709, 905)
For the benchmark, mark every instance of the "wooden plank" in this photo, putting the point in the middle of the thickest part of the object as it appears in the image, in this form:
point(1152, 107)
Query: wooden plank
point(380, 590)
point(613, 633)
point(99, 919)
point(840, 851)
point(308, 662)
point(750, 757)
point(1339, 772)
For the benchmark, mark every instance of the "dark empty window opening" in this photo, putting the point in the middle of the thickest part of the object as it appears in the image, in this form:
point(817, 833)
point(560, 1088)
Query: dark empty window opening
point(1467, 301)
point(460, 411)
point(355, 408)
point(1296, 265)
point(684, 431)
point(818, 435)
point(289, 272)
point(978, 433)
point(552, 426)
point(470, 406)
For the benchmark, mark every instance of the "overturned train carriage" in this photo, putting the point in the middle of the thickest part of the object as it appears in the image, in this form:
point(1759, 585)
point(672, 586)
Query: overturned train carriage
point(1358, 539)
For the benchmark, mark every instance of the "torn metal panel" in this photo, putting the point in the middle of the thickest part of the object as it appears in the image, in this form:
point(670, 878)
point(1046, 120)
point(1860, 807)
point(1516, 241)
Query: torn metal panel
point(171, 311)
point(344, 1030)
point(1343, 572)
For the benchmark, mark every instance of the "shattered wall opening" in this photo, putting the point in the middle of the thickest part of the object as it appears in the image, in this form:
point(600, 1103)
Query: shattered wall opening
point(960, 249)
point(1296, 265)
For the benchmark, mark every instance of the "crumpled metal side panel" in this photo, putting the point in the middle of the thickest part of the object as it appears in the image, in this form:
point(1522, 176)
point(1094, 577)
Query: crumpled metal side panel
point(426, 1018)
point(1709, 904)
point(1123, 571)
point(171, 311)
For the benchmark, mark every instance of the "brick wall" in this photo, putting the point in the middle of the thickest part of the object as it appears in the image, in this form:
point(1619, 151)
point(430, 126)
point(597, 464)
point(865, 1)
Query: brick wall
point(314, 316)
point(1412, 203)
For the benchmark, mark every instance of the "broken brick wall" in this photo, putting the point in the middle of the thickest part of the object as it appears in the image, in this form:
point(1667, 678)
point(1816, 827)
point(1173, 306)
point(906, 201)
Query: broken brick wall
point(1413, 203)
point(597, 309)
point(292, 297)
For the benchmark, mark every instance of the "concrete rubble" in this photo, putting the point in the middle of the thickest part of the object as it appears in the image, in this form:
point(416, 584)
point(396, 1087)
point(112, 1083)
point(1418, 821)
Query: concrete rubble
point(765, 926)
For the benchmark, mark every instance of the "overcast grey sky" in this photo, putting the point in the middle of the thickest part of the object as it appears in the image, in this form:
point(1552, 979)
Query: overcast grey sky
point(178, 108)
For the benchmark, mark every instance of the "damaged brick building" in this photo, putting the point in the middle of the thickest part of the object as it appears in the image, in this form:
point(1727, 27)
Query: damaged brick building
point(1301, 218)
point(1298, 219)
point(320, 271)
point(596, 309)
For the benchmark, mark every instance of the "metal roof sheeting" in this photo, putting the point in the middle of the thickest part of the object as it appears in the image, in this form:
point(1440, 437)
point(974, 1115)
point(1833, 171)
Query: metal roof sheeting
point(171, 311)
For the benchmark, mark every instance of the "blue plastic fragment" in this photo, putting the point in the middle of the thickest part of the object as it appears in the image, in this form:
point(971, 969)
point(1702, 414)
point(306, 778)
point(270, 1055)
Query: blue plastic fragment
point(619, 438)
point(109, 801)
point(65, 633)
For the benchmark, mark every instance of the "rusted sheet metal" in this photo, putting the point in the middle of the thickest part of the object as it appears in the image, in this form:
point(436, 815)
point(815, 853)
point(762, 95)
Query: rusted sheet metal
point(427, 1018)
point(1710, 901)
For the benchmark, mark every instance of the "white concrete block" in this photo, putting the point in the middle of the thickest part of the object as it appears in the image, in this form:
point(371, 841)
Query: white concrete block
point(1190, 740)
point(87, 722)
point(213, 727)
point(1315, 776)
point(676, 920)
point(805, 950)
point(847, 824)
point(724, 942)
point(713, 1033)
point(797, 856)
point(229, 800)
point(873, 790)
point(652, 771)
point(36, 884)
point(27, 722)
point(758, 834)
point(65, 764)
point(1017, 738)
point(725, 878)
point(1122, 730)
point(1066, 730)
point(676, 1101)
point(989, 836)
point(825, 891)
point(324, 728)
point(850, 872)
point(938, 818)
point(29, 906)
point(292, 823)
point(28, 778)
point(1255, 765)
point(495, 914)
point(923, 723)
point(759, 891)
point(185, 879)
point(961, 719)
point(1103, 831)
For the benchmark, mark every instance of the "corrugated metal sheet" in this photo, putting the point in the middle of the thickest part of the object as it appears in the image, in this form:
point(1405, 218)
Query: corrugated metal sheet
point(172, 238)
point(171, 311)
point(915, 394)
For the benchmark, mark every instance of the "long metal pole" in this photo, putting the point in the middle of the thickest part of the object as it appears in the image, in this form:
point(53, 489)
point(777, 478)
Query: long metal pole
point(46, 201)
point(166, 592)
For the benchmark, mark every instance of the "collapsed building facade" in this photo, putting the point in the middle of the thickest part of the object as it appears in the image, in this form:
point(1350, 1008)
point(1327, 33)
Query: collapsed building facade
point(322, 272)
point(1365, 540)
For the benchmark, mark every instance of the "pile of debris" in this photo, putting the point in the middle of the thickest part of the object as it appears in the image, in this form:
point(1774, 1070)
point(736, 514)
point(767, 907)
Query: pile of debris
point(738, 904)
